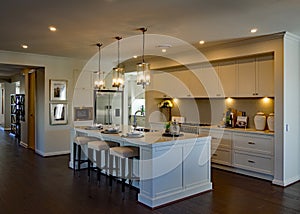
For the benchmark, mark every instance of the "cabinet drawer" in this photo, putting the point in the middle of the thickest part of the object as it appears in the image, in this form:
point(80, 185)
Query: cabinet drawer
point(219, 139)
point(257, 163)
point(221, 156)
point(262, 145)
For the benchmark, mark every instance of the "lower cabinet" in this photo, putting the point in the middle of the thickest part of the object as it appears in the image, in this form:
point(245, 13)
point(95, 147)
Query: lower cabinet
point(253, 152)
point(246, 153)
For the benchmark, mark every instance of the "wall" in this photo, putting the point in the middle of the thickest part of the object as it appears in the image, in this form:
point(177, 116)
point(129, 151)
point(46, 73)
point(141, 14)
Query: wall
point(50, 140)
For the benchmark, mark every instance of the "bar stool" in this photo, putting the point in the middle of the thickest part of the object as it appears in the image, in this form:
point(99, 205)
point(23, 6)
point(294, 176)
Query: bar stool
point(79, 143)
point(124, 153)
point(100, 147)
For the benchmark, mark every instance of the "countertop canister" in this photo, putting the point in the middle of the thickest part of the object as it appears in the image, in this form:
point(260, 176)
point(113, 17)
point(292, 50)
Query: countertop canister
point(270, 122)
point(260, 121)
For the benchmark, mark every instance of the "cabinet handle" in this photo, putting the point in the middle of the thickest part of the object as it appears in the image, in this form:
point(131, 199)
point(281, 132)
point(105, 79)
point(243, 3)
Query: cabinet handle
point(251, 161)
point(214, 138)
point(251, 143)
point(215, 155)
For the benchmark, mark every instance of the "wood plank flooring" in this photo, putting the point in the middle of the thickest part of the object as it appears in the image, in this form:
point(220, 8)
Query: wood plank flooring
point(33, 184)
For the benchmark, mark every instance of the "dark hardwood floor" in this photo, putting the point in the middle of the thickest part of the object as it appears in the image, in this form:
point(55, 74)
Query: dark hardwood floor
point(33, 184)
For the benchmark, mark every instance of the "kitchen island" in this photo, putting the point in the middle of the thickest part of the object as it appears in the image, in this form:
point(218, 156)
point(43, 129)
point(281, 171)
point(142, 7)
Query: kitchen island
point(170, 168)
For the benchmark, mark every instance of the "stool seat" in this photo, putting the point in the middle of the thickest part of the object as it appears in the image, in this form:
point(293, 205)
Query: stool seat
point(82, 140)
point(125, 151)
point(100, 145)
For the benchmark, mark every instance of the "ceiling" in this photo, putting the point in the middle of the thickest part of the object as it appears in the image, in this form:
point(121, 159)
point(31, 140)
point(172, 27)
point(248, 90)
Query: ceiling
point(83, 23)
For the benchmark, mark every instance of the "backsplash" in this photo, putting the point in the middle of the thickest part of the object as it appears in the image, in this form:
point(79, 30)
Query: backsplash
point(205, 108)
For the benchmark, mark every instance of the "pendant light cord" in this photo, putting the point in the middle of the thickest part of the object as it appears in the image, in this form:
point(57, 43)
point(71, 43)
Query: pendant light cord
point(99, 72)
point(143, 30)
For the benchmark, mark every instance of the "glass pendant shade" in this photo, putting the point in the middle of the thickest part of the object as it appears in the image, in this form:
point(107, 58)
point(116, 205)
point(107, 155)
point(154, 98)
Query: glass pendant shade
point(143, 68)
point(99, 79)
point(118, 72)
point(143, 74)
point(118, 77)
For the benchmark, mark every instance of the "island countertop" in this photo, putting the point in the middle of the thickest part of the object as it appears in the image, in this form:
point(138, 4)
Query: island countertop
point(150, 139)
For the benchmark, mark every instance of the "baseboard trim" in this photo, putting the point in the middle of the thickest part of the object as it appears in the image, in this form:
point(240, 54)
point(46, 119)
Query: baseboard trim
point(48, 154)
point(25, 145)
point(286, 182)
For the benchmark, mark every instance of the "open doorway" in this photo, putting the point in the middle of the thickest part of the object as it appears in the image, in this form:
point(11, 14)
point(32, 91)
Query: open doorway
point(20, 80)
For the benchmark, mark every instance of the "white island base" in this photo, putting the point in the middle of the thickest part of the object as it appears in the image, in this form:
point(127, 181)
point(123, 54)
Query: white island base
point(169, 168)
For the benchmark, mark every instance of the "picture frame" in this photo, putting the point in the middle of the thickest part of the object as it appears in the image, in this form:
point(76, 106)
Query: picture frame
point(58, 90)
point(58, 113)
point(83, 113)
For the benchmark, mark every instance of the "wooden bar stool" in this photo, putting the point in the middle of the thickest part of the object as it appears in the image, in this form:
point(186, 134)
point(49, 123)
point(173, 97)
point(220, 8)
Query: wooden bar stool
point(79, 144)
point(100, 147)
point(123, 154)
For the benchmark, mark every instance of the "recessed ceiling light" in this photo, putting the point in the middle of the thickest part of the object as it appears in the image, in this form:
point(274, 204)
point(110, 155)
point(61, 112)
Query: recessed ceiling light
point(24, 46)
point(253, 30)
point(164, 50)
point(52, 28)
point(201, 42)
point(135, 56)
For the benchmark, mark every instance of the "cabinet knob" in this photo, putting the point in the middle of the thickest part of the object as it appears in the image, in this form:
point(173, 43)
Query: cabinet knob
point(251, 161)
point(251, 143)
point(215, 155)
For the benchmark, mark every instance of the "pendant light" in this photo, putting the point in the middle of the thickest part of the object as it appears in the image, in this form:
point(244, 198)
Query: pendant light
point(99, 82)
point(118, 72)
point(143, 68)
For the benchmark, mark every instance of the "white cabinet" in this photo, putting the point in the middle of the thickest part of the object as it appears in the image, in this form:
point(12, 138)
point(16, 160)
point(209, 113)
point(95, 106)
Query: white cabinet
point(220, 147)
point(255, 77)
point(246, 78)
point(168, 85)
point(228, 78)
point(253, 152)
point(265, 76)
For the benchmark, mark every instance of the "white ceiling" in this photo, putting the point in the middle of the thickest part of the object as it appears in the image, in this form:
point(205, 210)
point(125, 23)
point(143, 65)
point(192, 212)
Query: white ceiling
point(83, 23)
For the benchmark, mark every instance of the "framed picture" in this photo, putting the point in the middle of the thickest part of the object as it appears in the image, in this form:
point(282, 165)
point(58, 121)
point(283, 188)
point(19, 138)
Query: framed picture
point(58, 90)
point(58, 113)
point(83, 113)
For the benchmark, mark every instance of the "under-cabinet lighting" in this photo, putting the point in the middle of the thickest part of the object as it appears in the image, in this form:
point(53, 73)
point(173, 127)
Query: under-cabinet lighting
point(229, 100)
point(24, 46)
point(164, 50)
point(266, 100)
point(201, 42)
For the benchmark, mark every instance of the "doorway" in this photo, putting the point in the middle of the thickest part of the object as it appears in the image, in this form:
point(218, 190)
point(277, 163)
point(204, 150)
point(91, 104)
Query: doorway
point(31, 77)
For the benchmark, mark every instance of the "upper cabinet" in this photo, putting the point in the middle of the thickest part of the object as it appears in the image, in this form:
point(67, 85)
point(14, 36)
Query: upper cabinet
point(255, 77)
point(265, 76)
point(228, 78)
point(245, 77)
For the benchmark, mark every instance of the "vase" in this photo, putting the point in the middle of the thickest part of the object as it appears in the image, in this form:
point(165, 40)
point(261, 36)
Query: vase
point(260, 121)
point(270, 122)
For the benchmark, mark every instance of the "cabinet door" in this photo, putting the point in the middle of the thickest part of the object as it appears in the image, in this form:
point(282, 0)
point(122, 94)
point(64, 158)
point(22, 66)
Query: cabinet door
point(210, 79)
point(265, 76)
point(169, 85)
point(246, 78)
point(227, 75)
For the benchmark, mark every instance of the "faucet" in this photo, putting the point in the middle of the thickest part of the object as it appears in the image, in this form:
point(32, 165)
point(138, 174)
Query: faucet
point(134, 118)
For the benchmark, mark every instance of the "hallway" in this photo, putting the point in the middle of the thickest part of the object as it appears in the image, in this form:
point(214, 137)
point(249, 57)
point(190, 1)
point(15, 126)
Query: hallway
point(33, 184)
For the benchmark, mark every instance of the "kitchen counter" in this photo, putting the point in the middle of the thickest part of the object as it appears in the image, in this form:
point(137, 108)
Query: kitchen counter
point(170, 168)
point(241, 130)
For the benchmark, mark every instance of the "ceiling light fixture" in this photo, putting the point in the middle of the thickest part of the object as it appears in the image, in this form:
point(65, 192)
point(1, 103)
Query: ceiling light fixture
point(24, 46)
point(201, 42)
point(99, 82)
point(143, 68)
point(52, 28)
point(118, 72)
point(253, 30)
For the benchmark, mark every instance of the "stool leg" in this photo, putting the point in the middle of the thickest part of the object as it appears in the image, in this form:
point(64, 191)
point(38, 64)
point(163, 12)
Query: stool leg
point(74, 157)
point(79, 160)
point(98, 165)
point(90, 155)
point(123, 176)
